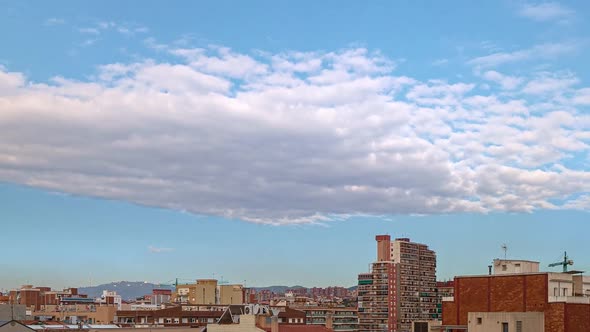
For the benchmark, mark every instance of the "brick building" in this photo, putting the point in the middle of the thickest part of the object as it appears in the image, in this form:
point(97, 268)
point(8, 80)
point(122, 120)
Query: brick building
point(551, 294)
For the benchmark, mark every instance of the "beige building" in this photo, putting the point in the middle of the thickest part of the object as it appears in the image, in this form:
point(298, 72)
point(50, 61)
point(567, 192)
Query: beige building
point(75, 313)
point(207, 291)
point(511, 266)
point(581, 285)
point(231, 294)
point(506, 321)
point(204, 291)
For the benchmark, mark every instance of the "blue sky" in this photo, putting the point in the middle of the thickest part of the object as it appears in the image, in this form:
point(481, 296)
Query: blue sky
point(270, 142)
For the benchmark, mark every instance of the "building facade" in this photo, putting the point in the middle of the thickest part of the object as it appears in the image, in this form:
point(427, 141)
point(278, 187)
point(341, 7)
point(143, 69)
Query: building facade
point(335, 318)
point(400, 289)
point(552, 294)
point(207, 291)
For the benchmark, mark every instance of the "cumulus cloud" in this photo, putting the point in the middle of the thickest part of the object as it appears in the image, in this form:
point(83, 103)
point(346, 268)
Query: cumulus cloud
point(550, 83)
point(507, 82)
point(295, 137)
point(546, 11)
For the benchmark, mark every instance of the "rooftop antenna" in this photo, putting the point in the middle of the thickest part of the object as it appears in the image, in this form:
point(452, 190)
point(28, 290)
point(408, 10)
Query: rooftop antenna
point(505, 248)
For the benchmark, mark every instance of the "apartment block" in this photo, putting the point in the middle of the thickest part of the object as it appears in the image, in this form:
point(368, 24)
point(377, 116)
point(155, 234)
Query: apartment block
point(207, 291)
point(231, 294)
point(335, 318)
point(400, 291)
point(559, 299)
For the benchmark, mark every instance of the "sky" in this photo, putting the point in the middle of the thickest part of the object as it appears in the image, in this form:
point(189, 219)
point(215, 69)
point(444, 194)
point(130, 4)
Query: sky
point(268, 142)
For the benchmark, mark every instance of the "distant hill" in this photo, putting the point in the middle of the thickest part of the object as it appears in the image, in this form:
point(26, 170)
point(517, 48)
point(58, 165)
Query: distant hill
point(128, 290)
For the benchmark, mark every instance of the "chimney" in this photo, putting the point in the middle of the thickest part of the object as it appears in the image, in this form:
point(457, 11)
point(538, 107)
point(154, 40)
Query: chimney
point(490, 269)
point(274, 324)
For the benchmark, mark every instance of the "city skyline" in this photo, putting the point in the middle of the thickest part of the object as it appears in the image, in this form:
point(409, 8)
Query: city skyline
point(269, 143)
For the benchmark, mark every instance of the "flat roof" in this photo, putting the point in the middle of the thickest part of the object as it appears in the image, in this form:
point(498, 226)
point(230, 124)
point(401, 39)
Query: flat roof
point(515, 260)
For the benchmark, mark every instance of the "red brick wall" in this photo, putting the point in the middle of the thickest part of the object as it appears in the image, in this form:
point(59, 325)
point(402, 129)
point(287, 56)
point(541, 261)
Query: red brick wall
point(507, 294)
point(536, 292)
point(449, 313)
point(554, 317)
point(471, 295)
point(511, 293)
point(577, 317)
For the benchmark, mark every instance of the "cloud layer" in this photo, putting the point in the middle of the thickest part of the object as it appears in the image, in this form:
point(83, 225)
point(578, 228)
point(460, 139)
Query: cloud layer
point(299, 137)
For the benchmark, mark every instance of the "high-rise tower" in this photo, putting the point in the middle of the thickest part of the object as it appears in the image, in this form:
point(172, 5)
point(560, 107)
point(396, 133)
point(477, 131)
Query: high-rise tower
point(400, 289)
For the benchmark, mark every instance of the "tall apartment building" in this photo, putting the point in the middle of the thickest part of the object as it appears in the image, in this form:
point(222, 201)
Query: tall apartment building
point(400, 289)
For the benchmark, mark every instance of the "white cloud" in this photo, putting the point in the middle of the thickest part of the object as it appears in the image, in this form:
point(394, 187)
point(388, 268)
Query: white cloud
point(157, 250)
point(547, 11)
point(550, 83)
point(505, 81)
point(582, 97)
point(299, 137)
point(542, 51)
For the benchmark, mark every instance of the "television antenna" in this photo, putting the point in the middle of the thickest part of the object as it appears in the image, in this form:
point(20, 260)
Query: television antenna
point(505, 249)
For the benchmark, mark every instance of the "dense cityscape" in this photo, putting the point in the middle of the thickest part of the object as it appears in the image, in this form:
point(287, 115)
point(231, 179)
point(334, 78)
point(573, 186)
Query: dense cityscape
point(400, 293)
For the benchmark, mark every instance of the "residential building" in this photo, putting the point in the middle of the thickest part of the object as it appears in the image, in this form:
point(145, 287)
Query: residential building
point(400, 289)
point(204, 291)
point(444, 289)
point(207, 291)
point(177, 316)
point(231, 294)
point(35, 297)
point(247, 321)
point(337, 319)
point(506, 321)
point(552, 295)
point(160, 296)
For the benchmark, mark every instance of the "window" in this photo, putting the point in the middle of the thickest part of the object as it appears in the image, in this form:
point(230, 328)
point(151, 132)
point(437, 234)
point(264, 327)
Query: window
point(565, 292)
point(479, 320)
point(518, 326)
point(504, 327)
point(555, 291)
point(504, 268)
